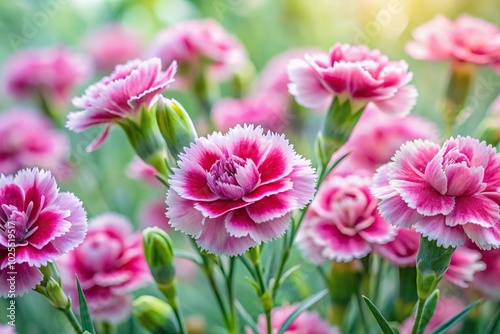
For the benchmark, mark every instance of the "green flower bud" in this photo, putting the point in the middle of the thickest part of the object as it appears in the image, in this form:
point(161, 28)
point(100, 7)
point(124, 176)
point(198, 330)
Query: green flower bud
point(155, 315)
point(56, 295)
point(175, 125)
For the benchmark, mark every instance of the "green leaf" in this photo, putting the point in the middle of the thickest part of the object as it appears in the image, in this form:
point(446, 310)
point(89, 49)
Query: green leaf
point(87, 324)
point(288, 273)
point(382, 322)
point(188, 256)
point(493, 323)
point(247, 318)
point(457, 318)
point(304, 305)
point(428, 311)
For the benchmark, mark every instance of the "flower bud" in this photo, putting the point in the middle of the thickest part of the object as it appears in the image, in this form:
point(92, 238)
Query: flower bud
point(56, 295)
point(175, 125)
point(155, 315)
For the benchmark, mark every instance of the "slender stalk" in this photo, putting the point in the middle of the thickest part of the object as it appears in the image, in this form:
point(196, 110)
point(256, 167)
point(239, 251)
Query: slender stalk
point(209, 274)
point(418, 317)
point(105, 328)
point(70, 315)
point(366, 328)
point(180, 320)
point(230, 291)
point(262, 286)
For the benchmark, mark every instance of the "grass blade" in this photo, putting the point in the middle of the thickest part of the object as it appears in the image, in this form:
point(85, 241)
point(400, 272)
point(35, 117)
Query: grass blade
point(87, 324)
point(304, 305)
point(382, 322)
point(456, 319)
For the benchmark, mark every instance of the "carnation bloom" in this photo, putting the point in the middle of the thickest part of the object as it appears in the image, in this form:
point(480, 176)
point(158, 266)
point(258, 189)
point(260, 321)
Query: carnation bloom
point(402, 251)
point(487, 281)
point(377, 136)
point(449, 194)
point(120, 95)
point(467, 39)
point(267, 110)
point(234, 191)
point(53, 72)
point(196, 44)
point(342, 223)
point(465, 262)
point(113, 44)
point(109, 264)
point(40, 222)
point(306, 323)
point(353, 73)
point(30, 140)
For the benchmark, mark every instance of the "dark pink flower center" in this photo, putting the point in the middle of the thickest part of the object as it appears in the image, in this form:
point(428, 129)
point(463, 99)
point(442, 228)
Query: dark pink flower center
point(16, 223)
point(228, 177)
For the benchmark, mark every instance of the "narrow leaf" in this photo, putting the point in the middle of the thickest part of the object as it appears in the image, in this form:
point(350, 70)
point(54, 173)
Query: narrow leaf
point(247, 318)
point(288, 273)
point(304, 305)
point(428, 311)
point(456, 319)
point(188, 256)
point(87, 324)
point(382, 322)
point(491, 329)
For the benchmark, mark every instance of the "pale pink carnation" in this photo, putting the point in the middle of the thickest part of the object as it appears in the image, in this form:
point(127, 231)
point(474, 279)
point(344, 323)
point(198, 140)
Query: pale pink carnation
point(342, 223)
point(464, 264)
point(120, 95)
point(447, 308)
point(152, 213)
point(109, 264)
point(196, 44)
point(467, 39)
point(234, 191)
point(139, 170)
point(28, 139)
point(487, 281)
point(267, 110)
point(353, 73)
point(307, 322)
point(53, 72)
point(40, 222)
point(377, 136)
point(113, 44)
point(403, 250)
point(449, 194)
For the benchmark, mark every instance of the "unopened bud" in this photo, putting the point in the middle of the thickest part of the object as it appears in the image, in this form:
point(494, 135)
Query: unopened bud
point(155, 315)
point(56, 295)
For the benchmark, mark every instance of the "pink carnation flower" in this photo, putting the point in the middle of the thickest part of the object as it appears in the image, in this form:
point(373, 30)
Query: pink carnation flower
point(113, 44)
point(7, 329)
point(342, 223)
point(306, 323)
point(199, 43)
point(40, 222)
point(449, 194)
point(402, 251)
point(487, 281)
point(267, 110)
point(152, 213)
point(468, 39)
point(353, 73)
point(139, 170)
point(120, 95)
point(377, 136)
point(464, 264)
point(53, 72)
point(234, 191)
point(30, 140)
point(109, 264)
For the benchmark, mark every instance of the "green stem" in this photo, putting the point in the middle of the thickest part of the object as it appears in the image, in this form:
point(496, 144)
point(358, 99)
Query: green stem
point(262, 286)
point(207, 269)
point(180, 319)
point(230, 291)
point(359, 301)
point(105, 328)
point(70, 315)
point(269, 322)
point(418, 316)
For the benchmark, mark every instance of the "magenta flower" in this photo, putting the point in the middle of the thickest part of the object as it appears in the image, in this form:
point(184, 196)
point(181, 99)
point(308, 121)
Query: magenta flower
point(152, 213)
point(342, 223)
point(487, 281)
point(39, 222)
point(465, 263)
point(120, 95)
point(234, 191)
point(109, 264)
point(306, 323)
point(53, 72)
point(30, 140)
point(353, 73)
point(195, 45)
point(449, 194)
point(402, 251)
point(112, 45)
point(467, 39)
point(267, 110)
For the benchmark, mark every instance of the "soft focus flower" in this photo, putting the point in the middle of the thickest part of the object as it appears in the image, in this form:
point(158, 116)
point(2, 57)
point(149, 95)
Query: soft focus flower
point(113, 44)
point(234, 191)
point(197, 45)
point(447, 307)
point(40, 222)
point(377, 136)
point(449, 194)
point(152, 213)
point(53, 72)
point(342, 222)
point(7, 329)
point(109, 264)
point(467, 39)
point(139, 170)
point(464, 264)
point(30, 140)
point(267, 110)
point(487, 281)
point(402, 251)
point(120, 96)
point(353, 73)
point(306, 323)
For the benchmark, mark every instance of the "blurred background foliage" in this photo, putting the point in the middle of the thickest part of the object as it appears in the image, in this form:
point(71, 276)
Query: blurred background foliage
point(266, 28)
